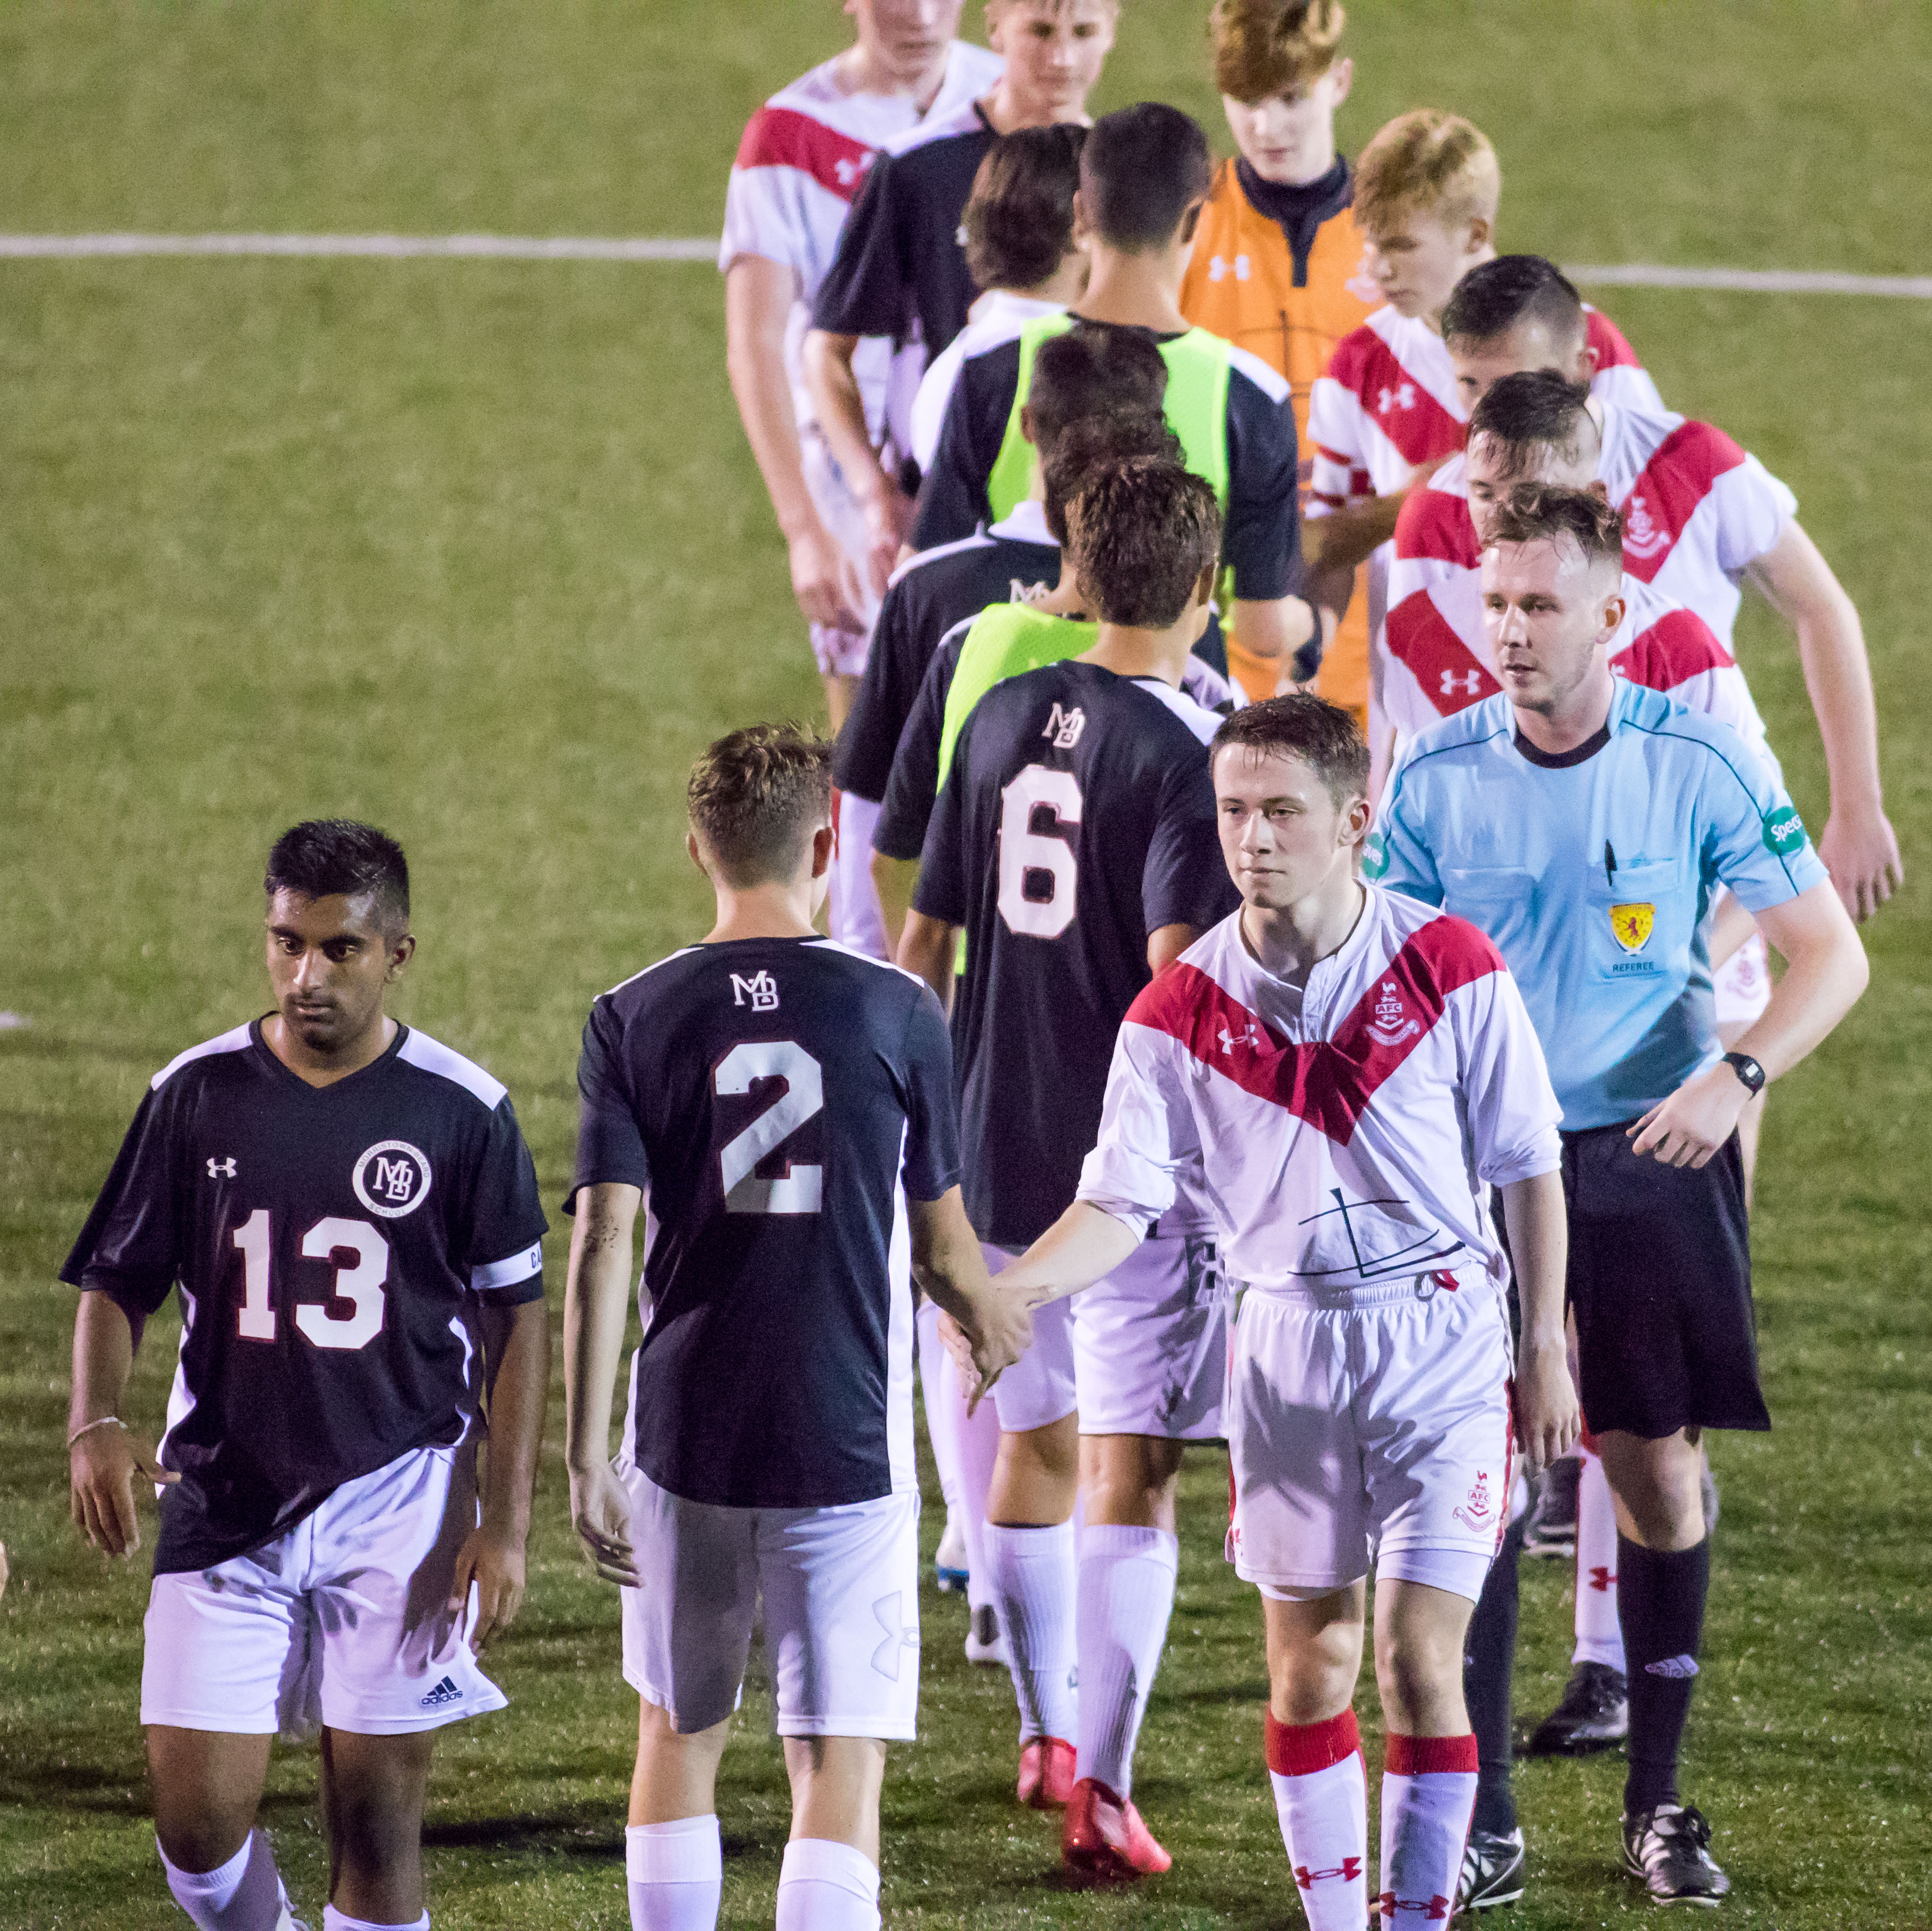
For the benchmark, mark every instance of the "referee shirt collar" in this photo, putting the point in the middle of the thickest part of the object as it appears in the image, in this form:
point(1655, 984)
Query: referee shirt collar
point(1582, 754)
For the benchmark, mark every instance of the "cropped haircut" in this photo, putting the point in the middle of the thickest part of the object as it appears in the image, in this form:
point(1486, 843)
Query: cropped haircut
point(1323, 735)
point(1535, 408)
point(1542, 513)
point(1139, 535)
point(1491, 300)
point(1083, 448)
point(1018, 223)
point(1090, 371)
point(755, 798)
point(1263, 48)
point(1143, 167)
point(1429, 159)
point(322, 858)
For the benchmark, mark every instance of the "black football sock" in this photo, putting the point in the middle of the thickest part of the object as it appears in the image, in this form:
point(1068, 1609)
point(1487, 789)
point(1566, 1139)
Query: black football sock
point(1489, 1669)
point(1660, 1602)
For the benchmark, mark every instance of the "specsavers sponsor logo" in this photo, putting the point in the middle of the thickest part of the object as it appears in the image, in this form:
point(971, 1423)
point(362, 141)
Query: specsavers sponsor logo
point(1784, 831)
point(1375, 856)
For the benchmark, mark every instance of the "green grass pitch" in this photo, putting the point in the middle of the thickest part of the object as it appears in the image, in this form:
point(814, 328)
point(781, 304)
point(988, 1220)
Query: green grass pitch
point(476, 549)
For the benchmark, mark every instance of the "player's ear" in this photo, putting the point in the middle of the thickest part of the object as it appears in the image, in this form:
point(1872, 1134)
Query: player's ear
point(401, 951)
point(824, 843)
point(1600, 489)
point(1083, 228)
point(697, 856)
point(1189, 222)
point(1342, 74)
point(1026, 424)
point(1614, 608)
point(1586, 363)
point(1482, 232)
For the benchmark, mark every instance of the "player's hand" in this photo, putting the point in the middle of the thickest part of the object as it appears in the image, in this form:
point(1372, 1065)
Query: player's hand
point(1549, 1418)
point(1004, 1333)
point(600, 1512)
point(825, 580)
point(102, 1464)
point(1695, 1121)
point(889, 515)
point(492, 1559)
point(1860, 852)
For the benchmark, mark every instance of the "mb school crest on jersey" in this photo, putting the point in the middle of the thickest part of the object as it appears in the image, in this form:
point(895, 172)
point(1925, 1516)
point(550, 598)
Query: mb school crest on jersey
point(1632, 925)
point(391, 1179)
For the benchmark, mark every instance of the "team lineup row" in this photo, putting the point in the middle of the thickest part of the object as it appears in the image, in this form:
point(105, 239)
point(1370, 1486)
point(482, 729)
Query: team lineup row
point(1371, 1039)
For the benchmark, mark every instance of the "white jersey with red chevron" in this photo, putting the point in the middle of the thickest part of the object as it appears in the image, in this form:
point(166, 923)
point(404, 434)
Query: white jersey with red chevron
point(1439, 657)
point(1340, 1136)
point(798, 166)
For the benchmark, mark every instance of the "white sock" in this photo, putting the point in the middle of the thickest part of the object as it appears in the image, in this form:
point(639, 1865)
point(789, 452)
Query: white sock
point(1599, 1636)
point(824, 1886)
point(1429, 1795)
point(333, 1919)
point(1125, 1596)
point(939, 1430)
point(1321, 1797)
point(244, 1894)
point(675, 1873)
point(1035, 1585)
point(977, 1438)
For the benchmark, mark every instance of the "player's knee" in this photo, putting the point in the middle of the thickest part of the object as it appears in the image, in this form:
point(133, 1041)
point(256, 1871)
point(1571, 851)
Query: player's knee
point(1417, 1669)
point(1312, 1675)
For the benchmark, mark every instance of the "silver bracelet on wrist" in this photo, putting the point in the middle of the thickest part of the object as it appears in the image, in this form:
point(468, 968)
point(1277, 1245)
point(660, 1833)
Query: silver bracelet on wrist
point(88, 1428)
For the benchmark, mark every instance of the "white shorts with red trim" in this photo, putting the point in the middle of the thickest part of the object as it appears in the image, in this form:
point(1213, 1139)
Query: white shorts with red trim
point(838, 1588)
point(1741, 986)
point(1372, 1426)
point(341, 1621)
point(840, 652)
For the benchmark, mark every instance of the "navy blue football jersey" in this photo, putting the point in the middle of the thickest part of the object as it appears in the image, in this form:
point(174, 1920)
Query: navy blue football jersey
point(330, 1244)
point(770, 1097)
point(929, 593)
point(1076, 819)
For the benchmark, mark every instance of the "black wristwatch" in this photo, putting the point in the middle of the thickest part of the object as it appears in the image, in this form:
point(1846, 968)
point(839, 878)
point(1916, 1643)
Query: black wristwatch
point(1746, 1069)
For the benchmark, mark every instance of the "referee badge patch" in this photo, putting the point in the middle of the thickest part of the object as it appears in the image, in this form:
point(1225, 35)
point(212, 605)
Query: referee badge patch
point(1632, 925)
point(1784, 831)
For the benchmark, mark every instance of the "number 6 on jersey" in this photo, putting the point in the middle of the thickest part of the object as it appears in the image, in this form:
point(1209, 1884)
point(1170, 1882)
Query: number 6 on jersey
point(1039, 873)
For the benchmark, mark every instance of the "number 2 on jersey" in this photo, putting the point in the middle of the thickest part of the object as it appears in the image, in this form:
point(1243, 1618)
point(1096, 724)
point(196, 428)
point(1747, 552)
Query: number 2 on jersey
point(360, 1285)
point(1039, 873)
point(800, 1188)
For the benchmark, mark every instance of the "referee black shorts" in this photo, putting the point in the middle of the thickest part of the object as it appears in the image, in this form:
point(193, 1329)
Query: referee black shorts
point(1659, 1284)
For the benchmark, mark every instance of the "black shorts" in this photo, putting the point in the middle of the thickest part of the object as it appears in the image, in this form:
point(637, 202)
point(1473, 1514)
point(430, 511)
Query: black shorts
point(1659, 1283)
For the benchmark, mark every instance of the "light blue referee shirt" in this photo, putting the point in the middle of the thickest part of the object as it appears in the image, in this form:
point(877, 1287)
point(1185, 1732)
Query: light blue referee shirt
point(1594, 877)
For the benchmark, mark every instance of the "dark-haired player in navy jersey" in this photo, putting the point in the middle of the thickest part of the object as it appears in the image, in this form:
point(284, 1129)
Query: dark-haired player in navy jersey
point(768, 1092)
point(352, 1216)
point(1073, 840)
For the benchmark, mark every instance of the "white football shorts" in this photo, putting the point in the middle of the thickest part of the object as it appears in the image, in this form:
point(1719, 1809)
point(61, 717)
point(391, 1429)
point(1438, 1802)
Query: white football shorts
point(1038, 1387)
point(840, 1587)
point(341, 1621)
point(1150, 1344)
point(1373, 1427)
point(1741, 986)
point(839, 653)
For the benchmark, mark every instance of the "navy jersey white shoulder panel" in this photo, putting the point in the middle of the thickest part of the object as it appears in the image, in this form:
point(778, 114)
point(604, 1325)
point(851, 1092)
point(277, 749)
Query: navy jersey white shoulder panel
point(931, 593)
point(768, 1095)
point(1077, 818)
point(328, 1243)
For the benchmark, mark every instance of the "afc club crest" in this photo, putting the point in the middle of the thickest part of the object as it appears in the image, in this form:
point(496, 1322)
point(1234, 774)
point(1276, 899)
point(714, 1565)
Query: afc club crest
point(1391, 1024)
point(391, 1179)
point(1478, 1512)
point(1632, 925)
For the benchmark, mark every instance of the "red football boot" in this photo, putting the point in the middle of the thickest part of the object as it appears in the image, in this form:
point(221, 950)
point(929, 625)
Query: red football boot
point(1103, 1836)
point(1046, 1773)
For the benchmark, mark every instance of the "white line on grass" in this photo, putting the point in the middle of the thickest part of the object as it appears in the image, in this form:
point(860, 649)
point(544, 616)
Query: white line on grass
point(699, 248)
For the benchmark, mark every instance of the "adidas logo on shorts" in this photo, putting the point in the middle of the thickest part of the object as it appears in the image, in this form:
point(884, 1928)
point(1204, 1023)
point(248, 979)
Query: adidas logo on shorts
point(444, 1692)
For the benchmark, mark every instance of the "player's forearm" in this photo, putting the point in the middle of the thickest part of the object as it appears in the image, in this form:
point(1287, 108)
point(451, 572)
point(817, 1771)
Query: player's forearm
point(840, 410)
point(1348, 536)
point(104, 1356)
point(595, 1304)
point(1084, 1244)
point(947, 1261)
point(1276, 628)
point(1731, 928)
point(928, 946)
point(1825, 972)
point(1801, 585)
point(757, 299)
point(1539, 1237)
point(516, 1345)
point(894, 879)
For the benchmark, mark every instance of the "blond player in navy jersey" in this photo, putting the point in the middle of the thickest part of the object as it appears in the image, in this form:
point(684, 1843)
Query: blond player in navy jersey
point(352, 1216)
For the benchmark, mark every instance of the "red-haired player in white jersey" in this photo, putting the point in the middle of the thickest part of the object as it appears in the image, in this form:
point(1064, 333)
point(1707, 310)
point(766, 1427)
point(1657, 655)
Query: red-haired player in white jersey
point(1387, 412)
point(1337, 1076)
point(1700, 515)
point(803, 158)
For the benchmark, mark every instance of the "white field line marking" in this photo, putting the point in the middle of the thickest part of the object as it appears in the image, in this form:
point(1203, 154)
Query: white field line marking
point(700, 248)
